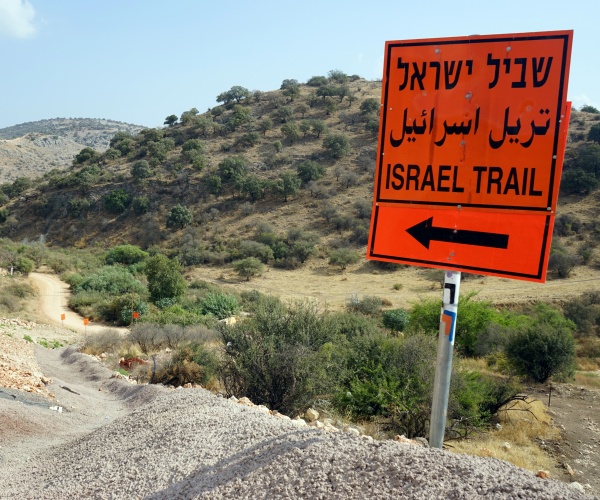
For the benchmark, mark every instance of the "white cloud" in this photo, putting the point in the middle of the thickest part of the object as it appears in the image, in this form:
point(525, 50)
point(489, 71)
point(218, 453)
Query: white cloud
point(16, 18)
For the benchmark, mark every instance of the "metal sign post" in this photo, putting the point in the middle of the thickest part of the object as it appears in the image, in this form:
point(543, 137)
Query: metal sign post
point(443, 371)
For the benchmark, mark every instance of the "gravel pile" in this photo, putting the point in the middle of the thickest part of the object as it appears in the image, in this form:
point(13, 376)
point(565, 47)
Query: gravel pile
point(189, 443)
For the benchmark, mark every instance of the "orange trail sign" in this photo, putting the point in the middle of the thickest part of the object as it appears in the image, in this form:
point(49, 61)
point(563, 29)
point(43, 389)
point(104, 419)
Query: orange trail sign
point(471, 144)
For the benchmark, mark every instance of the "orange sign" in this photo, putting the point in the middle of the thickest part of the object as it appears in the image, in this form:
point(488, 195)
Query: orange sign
point(471, 128)
point(63, 316)
point(136, 315)
point(86, 321)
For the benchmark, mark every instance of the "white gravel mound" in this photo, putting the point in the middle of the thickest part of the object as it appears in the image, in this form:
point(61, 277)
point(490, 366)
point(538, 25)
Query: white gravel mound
point(188, 443)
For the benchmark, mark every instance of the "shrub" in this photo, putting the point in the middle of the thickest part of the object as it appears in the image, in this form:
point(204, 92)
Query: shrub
point(584, 311)
point(141, 170)
point(220, 305)
point(21, 290)
point(125, 254)
point(248, 268)
point(393, 378)
point(395, 319)
point(543, 348)
point(279, 356)
point(117, 201)
point(165, 280)
point(179, 217)
point(140, 205)
point(249, 248)
point(310, 171)
point(24, 265)
point(191, 363)
point(369, 305)
point(103, 342)
point(336, 145)
point(474, 317)
point(562, 263)
point(110, 279)
point(343, 257)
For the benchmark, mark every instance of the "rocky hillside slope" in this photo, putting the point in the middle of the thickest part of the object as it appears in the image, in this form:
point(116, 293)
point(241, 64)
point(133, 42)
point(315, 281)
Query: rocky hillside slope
point(34, 148)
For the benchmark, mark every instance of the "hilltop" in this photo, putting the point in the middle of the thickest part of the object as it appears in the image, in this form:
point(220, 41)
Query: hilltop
point(31, 149)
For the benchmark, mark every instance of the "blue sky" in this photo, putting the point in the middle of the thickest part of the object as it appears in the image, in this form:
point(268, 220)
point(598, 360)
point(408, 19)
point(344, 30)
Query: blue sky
point(139, 61)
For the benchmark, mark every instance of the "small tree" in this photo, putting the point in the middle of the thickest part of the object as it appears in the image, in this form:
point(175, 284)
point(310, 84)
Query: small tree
point(164, 278)
point(171, 120)
point(343, 257)
point(235, 93)
point(289, 184)
point(179, 217)
point(141, 170)
point(594, 133)
point(545, 347)
point(337, 145)
point(369, 106)
point(310, 171)
point(248, 268)
point(117, 201)
point(586, 108)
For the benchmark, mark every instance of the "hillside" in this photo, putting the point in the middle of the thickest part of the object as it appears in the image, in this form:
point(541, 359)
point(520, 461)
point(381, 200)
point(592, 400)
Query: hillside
point(259, 175)
point(34, 148)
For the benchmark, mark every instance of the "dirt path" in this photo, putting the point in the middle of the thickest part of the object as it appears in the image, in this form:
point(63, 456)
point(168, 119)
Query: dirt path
point(575, 412)
point(53, 302)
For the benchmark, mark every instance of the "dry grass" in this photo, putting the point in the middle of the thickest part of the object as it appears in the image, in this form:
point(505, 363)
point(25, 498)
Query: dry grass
point(588, 379)
point(523, 426)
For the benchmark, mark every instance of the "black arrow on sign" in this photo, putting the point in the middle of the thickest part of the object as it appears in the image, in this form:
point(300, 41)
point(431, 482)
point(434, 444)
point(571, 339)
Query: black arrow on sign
point(425, 232)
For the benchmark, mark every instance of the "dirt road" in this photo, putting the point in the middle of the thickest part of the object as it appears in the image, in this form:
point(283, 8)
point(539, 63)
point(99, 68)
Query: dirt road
point(53, 302)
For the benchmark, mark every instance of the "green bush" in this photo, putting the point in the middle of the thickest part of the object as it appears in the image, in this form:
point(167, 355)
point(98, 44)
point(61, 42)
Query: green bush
point(543, 348)
point(396, 319)
point(179, 217)
point(125, 254)
point(117, 201)
point(392, 377)
point(584, 311)
point(220, 305)
point(343, 257)
point(281, 356)
point(249, 267)
point(140, 205)
point(110, 279)
point(249, 248)
point(473, 318)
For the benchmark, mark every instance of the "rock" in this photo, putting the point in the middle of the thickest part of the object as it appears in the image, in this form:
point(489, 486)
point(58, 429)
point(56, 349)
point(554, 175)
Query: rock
point(263, 409)
point(353, 431)
point(187, 386)
point(56, 408)
point(401, 438)
point(234, 399)
point(544, 474)
point(298, 422)
point(246, 401)
point(422, 441)
point(506, 446)
point(311, 415)
point(577, 486)
point(330, 428)
point(569, 470)
point(316, 424)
